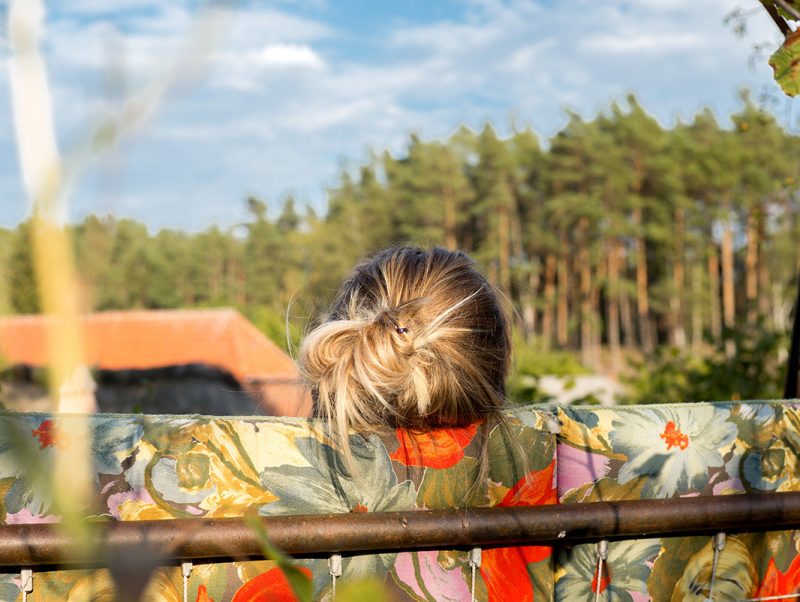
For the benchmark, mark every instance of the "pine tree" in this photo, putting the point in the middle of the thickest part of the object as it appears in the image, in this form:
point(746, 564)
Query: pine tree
point(641, 139)
point(529, 231)
point(428, 191)
point(494, 207)
point(713, 171)
point(259, 280)
point(24, 295)
point(764, 170)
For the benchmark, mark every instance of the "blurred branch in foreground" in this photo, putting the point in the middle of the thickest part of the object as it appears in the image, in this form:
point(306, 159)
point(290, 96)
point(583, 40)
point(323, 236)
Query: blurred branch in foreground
point(52, 253)
point(45, 178)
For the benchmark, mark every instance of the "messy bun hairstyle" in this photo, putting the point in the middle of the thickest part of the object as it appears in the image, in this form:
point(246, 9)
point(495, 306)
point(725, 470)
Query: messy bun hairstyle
point(415, 339)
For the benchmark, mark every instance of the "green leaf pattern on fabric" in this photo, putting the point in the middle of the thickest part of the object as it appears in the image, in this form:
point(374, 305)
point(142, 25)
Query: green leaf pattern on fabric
point(661, 451)
point(164, 467)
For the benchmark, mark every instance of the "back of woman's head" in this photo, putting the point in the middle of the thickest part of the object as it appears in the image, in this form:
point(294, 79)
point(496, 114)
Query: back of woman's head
point(415, 339)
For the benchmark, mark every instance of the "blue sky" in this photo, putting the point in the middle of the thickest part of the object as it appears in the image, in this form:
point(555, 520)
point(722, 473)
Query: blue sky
point(296, 90)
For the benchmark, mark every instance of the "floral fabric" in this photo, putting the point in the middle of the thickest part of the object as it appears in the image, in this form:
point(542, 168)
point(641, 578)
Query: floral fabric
point(664, 451)
point(165, 467)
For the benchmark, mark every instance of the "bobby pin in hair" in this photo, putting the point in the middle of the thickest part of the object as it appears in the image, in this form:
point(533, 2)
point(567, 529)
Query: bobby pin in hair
point(399, 329)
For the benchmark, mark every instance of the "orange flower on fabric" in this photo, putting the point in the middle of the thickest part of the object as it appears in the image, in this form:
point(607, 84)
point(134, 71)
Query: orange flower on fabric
point(777, 583)
point(271, 586)
point(202, 595)
point(48, 435)
point(505, 573)
point(505, 570)
point(534, 489)
point(440, 448)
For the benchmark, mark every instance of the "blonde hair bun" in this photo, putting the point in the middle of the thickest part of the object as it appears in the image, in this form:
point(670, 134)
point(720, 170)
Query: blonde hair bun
point(415, 339)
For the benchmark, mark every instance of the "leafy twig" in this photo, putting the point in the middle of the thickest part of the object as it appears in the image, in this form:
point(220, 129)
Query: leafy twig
point(788, 8)
point(783, 26)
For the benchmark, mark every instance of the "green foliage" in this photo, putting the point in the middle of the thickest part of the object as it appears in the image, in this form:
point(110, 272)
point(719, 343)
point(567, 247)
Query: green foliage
point(24, 295)
point(609, 234)
point(277, 326)
point(756, 371)
point(670, 376)
point(530, 362)
point(6, 242)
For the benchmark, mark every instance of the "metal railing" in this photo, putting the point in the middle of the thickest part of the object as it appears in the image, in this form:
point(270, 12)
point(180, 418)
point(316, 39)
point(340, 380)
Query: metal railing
point(322, 534)
point(185, 541)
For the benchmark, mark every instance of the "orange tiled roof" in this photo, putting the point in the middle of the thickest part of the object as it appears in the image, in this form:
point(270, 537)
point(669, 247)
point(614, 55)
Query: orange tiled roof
point(139, 340)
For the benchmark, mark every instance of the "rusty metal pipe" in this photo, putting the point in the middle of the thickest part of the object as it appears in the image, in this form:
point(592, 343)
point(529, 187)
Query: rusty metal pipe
point(205, 539)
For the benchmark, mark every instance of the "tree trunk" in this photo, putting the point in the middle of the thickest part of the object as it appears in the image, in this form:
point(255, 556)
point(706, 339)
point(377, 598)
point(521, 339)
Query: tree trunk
point(597, 320)
point(612, 306)
point(642, 293)
point(230, 281)
point(585, 270)
point(215, 282)
point(728, 299)
point(713, 291)
point(529, 298)
point(763, 275)
point(549, 299)
point(751, 266)
point(504, 242)
point(625, 312)
point(527, 287)
point(697, 315)
point(562, 334)
point(449, 218)
point(678, 333)
point(779, 312)
point(241, 290)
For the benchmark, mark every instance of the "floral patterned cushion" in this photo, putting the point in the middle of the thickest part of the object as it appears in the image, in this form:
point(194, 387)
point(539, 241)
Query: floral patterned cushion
point(662, 451)
point(164, 467)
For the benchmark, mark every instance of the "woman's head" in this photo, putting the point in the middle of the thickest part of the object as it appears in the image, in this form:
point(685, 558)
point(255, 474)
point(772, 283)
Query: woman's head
point(416, 339)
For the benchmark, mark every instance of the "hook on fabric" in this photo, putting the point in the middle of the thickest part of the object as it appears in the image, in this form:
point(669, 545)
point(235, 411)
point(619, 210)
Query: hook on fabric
point(186, 570)
point(602, 556)
point(718, 544)
point(335, 568)
point(26, 583)
point(475, 555)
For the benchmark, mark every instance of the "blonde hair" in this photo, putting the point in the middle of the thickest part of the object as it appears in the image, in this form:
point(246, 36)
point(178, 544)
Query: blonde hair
point(415, 339)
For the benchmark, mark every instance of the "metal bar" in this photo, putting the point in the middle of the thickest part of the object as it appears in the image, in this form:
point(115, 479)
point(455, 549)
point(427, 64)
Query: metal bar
point(194, 539)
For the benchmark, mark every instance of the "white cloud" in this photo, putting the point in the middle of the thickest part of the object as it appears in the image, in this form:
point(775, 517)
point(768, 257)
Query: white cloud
point(450, 38)
point(284, 98)
point(99, 7)
point(649, 43)
point(281, 56)
point(322, 116)
point(287, 55)
point(523, 57)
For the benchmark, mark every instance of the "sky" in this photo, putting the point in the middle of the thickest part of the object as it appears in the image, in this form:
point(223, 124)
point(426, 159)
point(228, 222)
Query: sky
point(275, 98)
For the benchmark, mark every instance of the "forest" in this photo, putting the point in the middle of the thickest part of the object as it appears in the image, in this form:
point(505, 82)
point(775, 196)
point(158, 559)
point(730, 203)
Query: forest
point(666, 255)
